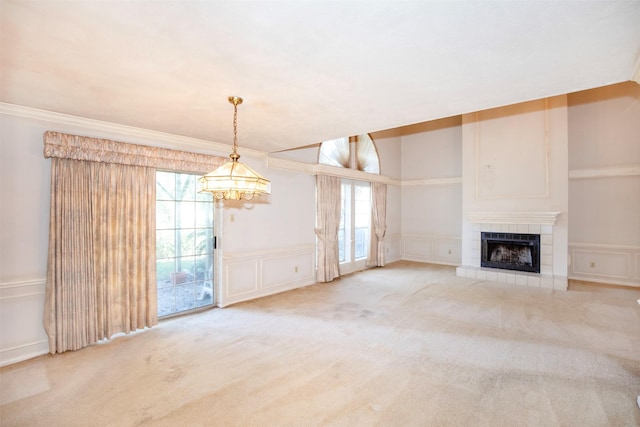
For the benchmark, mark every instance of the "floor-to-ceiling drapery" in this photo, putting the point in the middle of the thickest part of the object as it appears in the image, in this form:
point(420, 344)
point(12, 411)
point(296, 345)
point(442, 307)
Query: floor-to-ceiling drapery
point(101, 275)
point(327, 224)
point(101, 271)
point(378, 224)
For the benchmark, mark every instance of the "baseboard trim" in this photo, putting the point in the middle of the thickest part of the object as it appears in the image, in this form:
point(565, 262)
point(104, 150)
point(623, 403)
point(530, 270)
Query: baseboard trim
point(9, 356)
point(607, 282)
point(267, 292)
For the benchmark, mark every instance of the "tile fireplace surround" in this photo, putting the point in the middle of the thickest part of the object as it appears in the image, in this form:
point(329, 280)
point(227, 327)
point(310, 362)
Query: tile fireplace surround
point(513, 222)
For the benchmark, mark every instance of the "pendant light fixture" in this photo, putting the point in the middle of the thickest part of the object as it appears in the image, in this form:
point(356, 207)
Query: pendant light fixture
point(234, 180)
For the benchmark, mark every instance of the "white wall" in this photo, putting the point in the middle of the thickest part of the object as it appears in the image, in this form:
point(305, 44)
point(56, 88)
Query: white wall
point(25, 192)
point(24, 225)
point(268, 246)
point(604, 185)
point(389, 150)
point(431, 191)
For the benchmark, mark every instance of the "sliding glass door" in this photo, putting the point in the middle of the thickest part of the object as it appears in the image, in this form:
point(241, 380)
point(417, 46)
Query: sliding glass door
point(185, 242)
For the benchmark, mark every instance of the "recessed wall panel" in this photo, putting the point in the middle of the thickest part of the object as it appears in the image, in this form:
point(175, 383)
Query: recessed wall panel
point(512, 152)
point(242, 277)
point(604, 264)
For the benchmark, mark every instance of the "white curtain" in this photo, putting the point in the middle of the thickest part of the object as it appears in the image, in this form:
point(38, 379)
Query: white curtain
point(101, 274)
point(378, 224)
point(328, 223)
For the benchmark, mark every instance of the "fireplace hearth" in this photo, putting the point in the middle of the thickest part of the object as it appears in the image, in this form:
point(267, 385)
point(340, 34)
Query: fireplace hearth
point(510, 251)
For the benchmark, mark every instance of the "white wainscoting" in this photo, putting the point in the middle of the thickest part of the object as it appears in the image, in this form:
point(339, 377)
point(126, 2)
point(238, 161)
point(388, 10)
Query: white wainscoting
point(21, 311)
point(256, 274)
point(430, 248)
point(616, 265)
point(393, 248)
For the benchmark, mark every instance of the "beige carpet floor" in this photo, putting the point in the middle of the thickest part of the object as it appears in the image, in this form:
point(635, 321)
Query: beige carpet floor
point(406, 345)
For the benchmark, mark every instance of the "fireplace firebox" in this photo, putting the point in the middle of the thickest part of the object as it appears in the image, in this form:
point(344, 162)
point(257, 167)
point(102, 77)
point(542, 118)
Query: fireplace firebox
point(510, 251)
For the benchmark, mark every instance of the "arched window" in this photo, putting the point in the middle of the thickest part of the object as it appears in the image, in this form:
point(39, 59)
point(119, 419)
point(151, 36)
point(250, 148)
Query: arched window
point(367, 155)
point(358, 153)
point(335, 152)
point(354, 231)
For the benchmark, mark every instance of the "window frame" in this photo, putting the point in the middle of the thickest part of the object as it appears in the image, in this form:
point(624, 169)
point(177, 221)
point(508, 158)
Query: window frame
point(351, 261)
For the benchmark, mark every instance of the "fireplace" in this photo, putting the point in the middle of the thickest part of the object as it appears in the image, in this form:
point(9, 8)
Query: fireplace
point(510, 251)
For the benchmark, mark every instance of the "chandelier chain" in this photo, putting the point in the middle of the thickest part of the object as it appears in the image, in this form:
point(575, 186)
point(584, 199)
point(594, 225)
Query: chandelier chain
point(235, 126)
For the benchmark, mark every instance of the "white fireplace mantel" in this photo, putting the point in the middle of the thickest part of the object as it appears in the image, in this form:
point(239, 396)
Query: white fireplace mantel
point(542, 218)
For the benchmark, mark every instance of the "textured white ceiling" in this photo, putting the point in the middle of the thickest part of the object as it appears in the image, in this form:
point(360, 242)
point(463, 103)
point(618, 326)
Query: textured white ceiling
point(308, 70)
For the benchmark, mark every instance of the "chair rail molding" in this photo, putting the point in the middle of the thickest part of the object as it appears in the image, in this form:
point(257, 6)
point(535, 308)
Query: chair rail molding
point(431, 182)
point(612, 172)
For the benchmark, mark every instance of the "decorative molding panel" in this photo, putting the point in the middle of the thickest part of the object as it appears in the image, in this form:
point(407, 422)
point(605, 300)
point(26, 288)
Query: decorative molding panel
point(542, 218)
point(277, 271)
point(526, 158)
point(417, 248)
point(21, 306)
point(241, 277)
point(434, 249)
point(601, 264)
point(253, 275)
point(610, 264)
point(393, 248)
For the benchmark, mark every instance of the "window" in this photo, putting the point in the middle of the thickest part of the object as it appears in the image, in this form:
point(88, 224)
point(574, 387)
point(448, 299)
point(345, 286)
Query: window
point(355, 224)
point(184, 244)
point(357, 152)
point(354, 233)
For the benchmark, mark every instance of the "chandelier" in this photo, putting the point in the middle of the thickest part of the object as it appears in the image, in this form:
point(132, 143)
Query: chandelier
point(235, 180)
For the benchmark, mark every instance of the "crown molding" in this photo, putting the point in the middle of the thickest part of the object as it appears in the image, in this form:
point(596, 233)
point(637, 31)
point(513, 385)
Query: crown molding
point(291, 165)
point(165, 140)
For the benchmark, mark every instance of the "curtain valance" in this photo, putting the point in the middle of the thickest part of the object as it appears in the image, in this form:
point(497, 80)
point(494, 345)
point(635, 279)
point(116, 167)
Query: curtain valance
point(76, 147)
